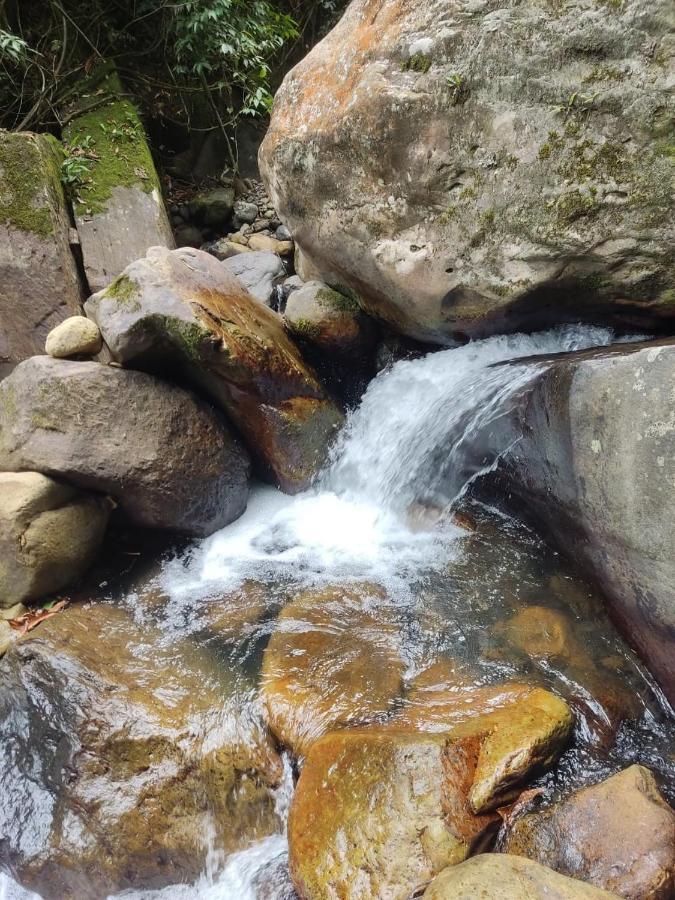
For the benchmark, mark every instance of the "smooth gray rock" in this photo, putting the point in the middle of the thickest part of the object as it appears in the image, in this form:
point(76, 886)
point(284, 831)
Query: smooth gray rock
point(330, 322)
point(244, 213)
point(258, 271)
point(164, 455)
point(594, 464)
point(214, 208)
point(470, 168)
point(50, 533)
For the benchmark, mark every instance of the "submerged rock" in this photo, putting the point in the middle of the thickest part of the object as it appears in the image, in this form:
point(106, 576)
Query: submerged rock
point(164, 455)
point(333, 660)
point(377, 814)
point(139, 752)
point(475, 170)
point(500, 877)
point(183, 310)
point(76, 336)
point(50, 534)
point(594, 464)
point(618, 835)
point(39, 285)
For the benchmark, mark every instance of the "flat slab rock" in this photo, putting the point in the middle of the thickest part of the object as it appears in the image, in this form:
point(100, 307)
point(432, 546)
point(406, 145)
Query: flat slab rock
point(183, 309)
point(164, 455)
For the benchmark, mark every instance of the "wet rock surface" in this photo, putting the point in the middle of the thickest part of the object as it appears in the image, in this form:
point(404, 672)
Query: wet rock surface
point(378, 814)
point(480, 170)
point(137, 759)
point(618, 835)
point(164, 455)
point(500, 877)
point(184, 310)
point(333, 660)
point(50, 533)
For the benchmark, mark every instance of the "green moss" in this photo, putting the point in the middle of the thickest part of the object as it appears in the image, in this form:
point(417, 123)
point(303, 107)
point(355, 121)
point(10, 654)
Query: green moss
point(120, 157)
point(124, 291)
point(187, 336)
point(30, 185)
point(337, 301)
point(604, 73)
point(544, 151)
point(418, 62)
point(447, 216)
point(511, 161)
point(573, 205)
point(305, 328)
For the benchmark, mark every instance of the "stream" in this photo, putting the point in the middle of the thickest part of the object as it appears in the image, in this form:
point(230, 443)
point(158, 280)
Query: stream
point(383, 513)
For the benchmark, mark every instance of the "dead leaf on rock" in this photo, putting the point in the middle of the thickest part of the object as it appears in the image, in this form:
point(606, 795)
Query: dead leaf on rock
point(32, 619)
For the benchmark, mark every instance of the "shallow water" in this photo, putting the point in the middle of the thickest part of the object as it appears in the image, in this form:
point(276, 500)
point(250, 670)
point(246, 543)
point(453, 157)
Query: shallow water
point(456, 596)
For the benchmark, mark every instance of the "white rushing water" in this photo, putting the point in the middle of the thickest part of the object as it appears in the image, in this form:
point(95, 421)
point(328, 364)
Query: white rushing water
point(404, 455)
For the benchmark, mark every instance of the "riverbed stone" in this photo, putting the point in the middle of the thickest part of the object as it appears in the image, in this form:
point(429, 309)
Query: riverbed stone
point(165, 456)
point(39, 284)
point(333, 660)
point(271, 244)
point(618, 835)
point(378, 814)
point(498, 876)
point(330, 323)
point(76, 336)
point(469, 171)
point(594, 467)
point(50, 534)
point(139, 753)
point(258, 271)
point(119, 211)
point(213, 209)
point(183, 309)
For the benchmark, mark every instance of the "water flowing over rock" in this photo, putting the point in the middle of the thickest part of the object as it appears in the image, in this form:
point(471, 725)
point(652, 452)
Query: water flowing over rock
point(39, 285)
point(164, 455)
point(467, 169)
point(134, 760)
point(334, 660)
point(594, 462)
point(501, 877)
point(49, 535)
point(182, 310)
point(618, 835)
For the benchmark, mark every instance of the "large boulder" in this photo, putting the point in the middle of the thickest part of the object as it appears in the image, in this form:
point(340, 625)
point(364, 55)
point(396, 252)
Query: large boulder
point(39, 285)
point(122, 755)
point(465, 169)
point(501, 877)
point(49, 535)
point(333, 660)
point(594, 464)
point(119, 210)
point(618, 835)
point(165, 456)
point(183, 310)
point(378, 812)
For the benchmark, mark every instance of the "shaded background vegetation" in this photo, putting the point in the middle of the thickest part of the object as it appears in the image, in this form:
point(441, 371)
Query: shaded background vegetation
point(193, 67)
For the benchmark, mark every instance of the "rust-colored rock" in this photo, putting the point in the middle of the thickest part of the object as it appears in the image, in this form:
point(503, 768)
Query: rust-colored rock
point(136, 750)
point(378, 813)
point(496, 876)
point(181, 309)
point(618, 835)
point(333, 661)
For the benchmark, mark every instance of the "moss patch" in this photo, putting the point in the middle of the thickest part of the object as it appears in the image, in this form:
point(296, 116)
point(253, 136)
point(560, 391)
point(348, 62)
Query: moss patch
point(120, 157)
point(124, 291)
point(334, 300)
point(305, 328)
point(418, 62)
point(30, 186)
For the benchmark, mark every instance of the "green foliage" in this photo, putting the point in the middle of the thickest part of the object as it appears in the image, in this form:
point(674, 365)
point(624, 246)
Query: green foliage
point(233, 42)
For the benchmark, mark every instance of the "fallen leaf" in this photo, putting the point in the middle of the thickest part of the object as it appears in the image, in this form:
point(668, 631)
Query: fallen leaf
point(30, 620)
